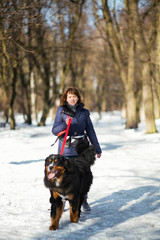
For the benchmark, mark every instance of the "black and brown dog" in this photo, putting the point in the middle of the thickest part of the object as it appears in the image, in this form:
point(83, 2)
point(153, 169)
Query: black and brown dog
point(69, 179)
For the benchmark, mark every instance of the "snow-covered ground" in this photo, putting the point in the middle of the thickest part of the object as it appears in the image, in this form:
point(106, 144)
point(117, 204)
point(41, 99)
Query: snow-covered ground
point(124, 197)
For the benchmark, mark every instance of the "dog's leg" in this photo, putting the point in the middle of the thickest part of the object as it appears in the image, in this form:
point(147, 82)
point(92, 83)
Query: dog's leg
point(81, 202)
point(56, 210)
point(74, 210)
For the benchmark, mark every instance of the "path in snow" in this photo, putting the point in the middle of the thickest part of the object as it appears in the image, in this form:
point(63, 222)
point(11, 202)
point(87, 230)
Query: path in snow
point(124, 197)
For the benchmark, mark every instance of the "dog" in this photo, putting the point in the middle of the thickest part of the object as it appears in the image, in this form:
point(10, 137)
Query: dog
point(69, 179)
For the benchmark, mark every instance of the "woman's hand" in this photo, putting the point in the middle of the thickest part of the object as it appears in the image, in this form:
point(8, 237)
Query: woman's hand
point(67, 120)
point(99, 155)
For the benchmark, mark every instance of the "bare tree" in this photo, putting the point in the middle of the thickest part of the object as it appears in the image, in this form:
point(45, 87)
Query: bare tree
point(117, 45)
point(69, 14)
point(157, 65)
point(13, 19)
point(145, 58)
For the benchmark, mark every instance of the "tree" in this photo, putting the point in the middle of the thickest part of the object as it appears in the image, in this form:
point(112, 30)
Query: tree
point(69, 15)
point(117, 47)
point(156, 64)
point(145, 58)
point(9, 56)
point(13, 44)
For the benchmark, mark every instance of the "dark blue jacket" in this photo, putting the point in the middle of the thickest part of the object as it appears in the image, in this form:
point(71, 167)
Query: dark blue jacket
point(81, 124)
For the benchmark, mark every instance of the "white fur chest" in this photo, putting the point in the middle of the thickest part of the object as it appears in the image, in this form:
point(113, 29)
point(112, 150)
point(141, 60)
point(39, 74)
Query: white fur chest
point(57, 182)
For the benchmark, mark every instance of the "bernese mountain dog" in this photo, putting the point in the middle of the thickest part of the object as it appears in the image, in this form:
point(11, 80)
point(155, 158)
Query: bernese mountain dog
point(69, 179)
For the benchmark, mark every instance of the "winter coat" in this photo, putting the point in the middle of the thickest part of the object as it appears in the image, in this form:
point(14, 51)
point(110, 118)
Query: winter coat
point(81, 124)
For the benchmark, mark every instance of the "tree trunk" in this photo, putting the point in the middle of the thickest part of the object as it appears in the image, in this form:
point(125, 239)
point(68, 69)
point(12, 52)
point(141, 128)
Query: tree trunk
point(117, 52)
point(26, 87)
point(130, 94)
point(33, 97)
point(46, 99)
point(131, 99)
point(75, 10)
point(13, 96)
point(63, 75)
point(148, 98)
point(131, 109)
point(146, 73)
point(157, 75)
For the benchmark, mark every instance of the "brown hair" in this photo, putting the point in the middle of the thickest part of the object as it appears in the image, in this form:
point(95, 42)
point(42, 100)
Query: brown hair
point(71, 90)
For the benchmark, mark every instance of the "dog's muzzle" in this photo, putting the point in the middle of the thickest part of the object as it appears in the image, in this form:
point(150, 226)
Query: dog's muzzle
point(51, 173)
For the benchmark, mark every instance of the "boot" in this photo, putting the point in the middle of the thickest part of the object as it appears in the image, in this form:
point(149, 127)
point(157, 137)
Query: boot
point(85, 205)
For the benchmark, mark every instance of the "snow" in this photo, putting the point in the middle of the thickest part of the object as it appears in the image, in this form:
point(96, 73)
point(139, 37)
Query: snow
point(124, 197)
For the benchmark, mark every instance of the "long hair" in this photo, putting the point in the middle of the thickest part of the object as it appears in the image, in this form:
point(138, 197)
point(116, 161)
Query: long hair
point(71, 90)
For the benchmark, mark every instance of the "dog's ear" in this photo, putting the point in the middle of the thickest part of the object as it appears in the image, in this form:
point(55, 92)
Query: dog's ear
point(47, 159)
point(65, 162)
point(45, 162)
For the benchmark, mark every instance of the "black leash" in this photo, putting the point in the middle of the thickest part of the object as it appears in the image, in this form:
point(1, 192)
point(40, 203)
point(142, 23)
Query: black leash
point(55, 141)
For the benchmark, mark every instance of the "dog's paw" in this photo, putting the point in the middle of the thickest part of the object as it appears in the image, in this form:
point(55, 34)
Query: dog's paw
point(52, 228)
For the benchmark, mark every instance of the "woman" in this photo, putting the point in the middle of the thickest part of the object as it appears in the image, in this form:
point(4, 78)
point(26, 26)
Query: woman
point(71, 105)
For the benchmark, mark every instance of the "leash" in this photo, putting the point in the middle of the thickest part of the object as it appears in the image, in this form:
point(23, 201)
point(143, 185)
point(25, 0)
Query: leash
point(59, 134)
point(65, 137)
point(66, 134)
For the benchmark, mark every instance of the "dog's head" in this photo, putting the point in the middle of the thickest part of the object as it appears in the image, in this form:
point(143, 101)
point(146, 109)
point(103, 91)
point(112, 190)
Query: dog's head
point(54, 166)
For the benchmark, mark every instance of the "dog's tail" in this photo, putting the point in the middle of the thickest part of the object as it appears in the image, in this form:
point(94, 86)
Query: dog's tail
point(86, 151)
point(85, 159)
point(89, 155)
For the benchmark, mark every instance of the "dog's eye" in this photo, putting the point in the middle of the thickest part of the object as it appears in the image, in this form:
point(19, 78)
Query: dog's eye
point(50, 160)
point(55, 160)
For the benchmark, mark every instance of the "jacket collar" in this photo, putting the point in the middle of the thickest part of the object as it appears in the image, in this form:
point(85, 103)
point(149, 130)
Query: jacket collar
point(68, 111)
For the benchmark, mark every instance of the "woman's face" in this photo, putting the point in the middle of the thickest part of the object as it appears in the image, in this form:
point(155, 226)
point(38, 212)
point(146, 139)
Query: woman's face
point(72, 99)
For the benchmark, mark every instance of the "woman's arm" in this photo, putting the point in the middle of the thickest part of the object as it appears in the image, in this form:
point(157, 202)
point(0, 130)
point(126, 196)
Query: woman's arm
point(58, 125)
point(92, 135)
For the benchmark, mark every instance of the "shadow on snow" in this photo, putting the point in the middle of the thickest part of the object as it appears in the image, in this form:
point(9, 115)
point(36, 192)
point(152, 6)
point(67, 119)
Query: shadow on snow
point(110, 211)
point(27, 162)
